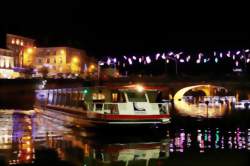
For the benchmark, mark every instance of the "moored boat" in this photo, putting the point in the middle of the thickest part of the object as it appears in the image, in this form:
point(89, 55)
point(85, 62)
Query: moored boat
point(92, 106)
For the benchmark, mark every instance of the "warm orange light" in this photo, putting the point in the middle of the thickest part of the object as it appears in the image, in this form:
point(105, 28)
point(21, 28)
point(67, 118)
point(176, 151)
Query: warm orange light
point(28, 157)
point(17, 41)
point(92, 67)
point(62, 52)
point(30, 50)
point(75, 60)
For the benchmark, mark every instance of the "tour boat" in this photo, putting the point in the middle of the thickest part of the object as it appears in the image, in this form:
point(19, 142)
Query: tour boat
point(92, 106)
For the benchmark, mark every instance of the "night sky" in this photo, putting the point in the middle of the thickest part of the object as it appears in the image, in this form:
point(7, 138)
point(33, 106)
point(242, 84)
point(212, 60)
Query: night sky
point(109, 30)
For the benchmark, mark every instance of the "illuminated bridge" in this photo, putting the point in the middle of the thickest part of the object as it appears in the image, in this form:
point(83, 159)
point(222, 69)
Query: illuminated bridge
point(209, 90)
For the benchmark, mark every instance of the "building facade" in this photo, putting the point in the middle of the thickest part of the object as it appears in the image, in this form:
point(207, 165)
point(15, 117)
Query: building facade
point(7, 64)
point(62, 60)
point(22, 48)
point(54, 61)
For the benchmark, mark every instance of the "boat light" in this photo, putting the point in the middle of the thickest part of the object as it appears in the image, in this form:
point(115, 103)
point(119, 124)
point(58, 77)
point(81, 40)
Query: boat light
point(139, 88)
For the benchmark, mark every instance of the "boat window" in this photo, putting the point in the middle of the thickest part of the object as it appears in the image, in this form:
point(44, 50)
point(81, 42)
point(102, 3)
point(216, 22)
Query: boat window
point(114, 97)
point(136, 97)
point(98, 96)
point(155, 96)
point(118, 97)
point(98, 107)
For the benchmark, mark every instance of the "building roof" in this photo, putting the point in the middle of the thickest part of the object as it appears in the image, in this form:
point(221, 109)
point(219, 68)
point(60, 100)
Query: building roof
point(18, 36)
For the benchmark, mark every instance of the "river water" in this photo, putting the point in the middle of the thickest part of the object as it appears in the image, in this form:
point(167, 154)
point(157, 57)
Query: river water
point(27, 136)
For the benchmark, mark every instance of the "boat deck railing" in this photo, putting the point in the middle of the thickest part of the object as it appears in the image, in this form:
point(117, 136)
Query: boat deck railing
point(105, 108)
point(112, 108)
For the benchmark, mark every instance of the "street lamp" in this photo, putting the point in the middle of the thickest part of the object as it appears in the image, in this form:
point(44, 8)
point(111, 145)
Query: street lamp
point(176, 63)
point(99, 69)
point(207, 102)
point(245, 61)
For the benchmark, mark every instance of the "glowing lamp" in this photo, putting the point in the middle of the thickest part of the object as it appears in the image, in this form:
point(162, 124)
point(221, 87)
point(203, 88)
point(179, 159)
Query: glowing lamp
point(221, 55)
point(130, 61)
point(108, 61)
point(163, 56)
point(171, 53)
point(17, 41)
point(75, 60)
point(157, 56)
point(140, 60)
point(101, 63)
point(85, 91)
point(237, 63)
point(92, 67)
point(30, 50)
point(216, 60)
point(148, 59)
point(139, 88)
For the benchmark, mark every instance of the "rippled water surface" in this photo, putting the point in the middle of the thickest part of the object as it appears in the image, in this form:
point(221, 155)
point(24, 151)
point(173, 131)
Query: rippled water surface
point(25, 133)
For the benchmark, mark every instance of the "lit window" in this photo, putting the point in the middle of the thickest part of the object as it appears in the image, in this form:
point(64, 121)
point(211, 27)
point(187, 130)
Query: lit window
point(1, 62)
point(60, 60)
point(114, 97)
point(13, 41)
point(7, 64)
point(98, 96)
point(17, 41)
point(21, 43)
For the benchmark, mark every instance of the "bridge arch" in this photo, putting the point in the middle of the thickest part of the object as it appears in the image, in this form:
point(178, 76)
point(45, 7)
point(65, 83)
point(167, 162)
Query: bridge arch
point(207, 89)
point(194, 109)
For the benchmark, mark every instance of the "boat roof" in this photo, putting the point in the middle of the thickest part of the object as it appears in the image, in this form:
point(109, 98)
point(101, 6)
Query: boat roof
point(131, 87)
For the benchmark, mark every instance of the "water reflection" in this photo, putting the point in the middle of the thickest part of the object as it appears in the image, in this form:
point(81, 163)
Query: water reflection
point(200, 109)
point(22, 134)
point(204, 140)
